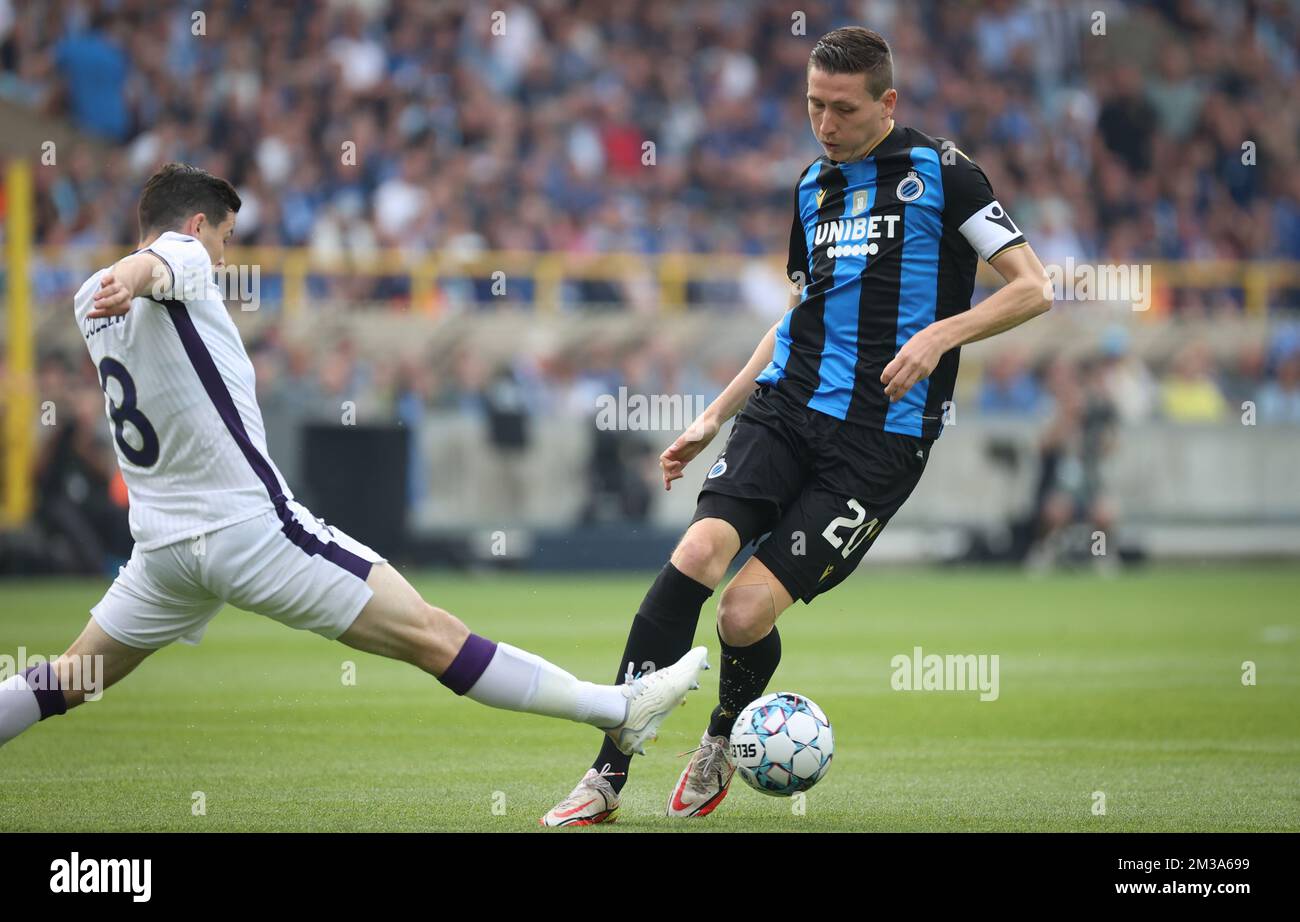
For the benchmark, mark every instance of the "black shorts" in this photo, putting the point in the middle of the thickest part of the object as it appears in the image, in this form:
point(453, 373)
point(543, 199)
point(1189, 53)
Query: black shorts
point(821, 489)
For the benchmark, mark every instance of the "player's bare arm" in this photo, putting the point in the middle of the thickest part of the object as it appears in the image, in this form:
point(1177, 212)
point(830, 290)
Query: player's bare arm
point(727, 404)
point(1025, 295)
point(134, 276)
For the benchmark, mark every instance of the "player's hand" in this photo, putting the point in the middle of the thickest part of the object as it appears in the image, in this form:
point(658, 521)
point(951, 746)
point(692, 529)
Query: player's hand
point(913, 363)
point(113, 298)
point(689, 444)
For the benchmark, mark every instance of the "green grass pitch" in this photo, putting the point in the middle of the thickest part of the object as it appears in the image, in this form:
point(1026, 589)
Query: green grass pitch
point(1130, 686)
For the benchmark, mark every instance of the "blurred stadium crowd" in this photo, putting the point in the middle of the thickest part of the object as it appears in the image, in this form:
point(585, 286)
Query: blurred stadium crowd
point(1125, 147)
point(1120, 147)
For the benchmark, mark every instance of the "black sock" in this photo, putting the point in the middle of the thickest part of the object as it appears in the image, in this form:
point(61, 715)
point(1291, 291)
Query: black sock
point(661, 634)
point(745, 674)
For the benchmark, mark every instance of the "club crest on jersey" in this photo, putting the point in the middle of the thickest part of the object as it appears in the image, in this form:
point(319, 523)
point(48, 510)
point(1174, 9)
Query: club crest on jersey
point(859, 202)
point(910, 188)
point(718, 469)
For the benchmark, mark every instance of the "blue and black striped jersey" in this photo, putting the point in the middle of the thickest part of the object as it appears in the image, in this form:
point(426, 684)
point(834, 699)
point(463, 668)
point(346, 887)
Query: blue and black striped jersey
point(883, 247)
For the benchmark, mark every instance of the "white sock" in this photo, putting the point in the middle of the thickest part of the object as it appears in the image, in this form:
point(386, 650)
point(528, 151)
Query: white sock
point(18, 707)
point(517, 680)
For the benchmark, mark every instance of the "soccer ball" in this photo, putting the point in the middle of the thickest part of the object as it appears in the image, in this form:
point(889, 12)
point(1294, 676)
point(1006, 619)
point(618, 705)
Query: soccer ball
point(782, 744)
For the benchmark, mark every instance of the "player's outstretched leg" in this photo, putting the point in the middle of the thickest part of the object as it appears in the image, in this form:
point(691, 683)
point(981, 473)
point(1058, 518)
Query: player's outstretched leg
point(93, 662)
point(399, 624)
point(751, 650)
point(661, 631)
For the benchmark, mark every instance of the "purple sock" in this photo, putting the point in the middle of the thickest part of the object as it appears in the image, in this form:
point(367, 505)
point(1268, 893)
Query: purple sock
point(45, 686)
point(468, 665)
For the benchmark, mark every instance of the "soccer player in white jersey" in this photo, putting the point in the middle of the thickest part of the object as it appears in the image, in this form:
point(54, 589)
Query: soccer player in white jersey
point(215, 523)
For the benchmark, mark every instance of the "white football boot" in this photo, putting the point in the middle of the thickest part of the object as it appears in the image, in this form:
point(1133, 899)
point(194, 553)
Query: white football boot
point(593, 801)
point(652, 697)
point(704, 781)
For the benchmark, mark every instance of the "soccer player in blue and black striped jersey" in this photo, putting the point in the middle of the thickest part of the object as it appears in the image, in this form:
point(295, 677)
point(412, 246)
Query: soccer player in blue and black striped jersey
point(841, 401)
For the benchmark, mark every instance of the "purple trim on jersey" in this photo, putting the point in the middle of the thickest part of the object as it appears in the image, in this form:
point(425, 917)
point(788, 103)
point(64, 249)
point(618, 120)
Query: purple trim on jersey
point(469, 664)
point(45, 686)
point(210, 377)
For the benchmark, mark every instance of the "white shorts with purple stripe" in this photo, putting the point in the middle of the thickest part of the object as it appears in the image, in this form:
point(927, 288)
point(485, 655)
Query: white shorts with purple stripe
point(285, 563)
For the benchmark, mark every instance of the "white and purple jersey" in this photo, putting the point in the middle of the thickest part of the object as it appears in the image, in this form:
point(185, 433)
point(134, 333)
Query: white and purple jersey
point(180, 398)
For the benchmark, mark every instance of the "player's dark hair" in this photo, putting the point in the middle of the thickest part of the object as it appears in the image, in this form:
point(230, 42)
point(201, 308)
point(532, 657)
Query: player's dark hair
point(179, 190)
point(855, 50)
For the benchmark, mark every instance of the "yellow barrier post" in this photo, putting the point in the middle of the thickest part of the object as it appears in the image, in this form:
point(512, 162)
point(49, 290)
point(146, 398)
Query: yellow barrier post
point(422, 279)
point(19, 404)
point(673, 275)
point(1255, 288)
point(294, 267)
point(548, 282)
